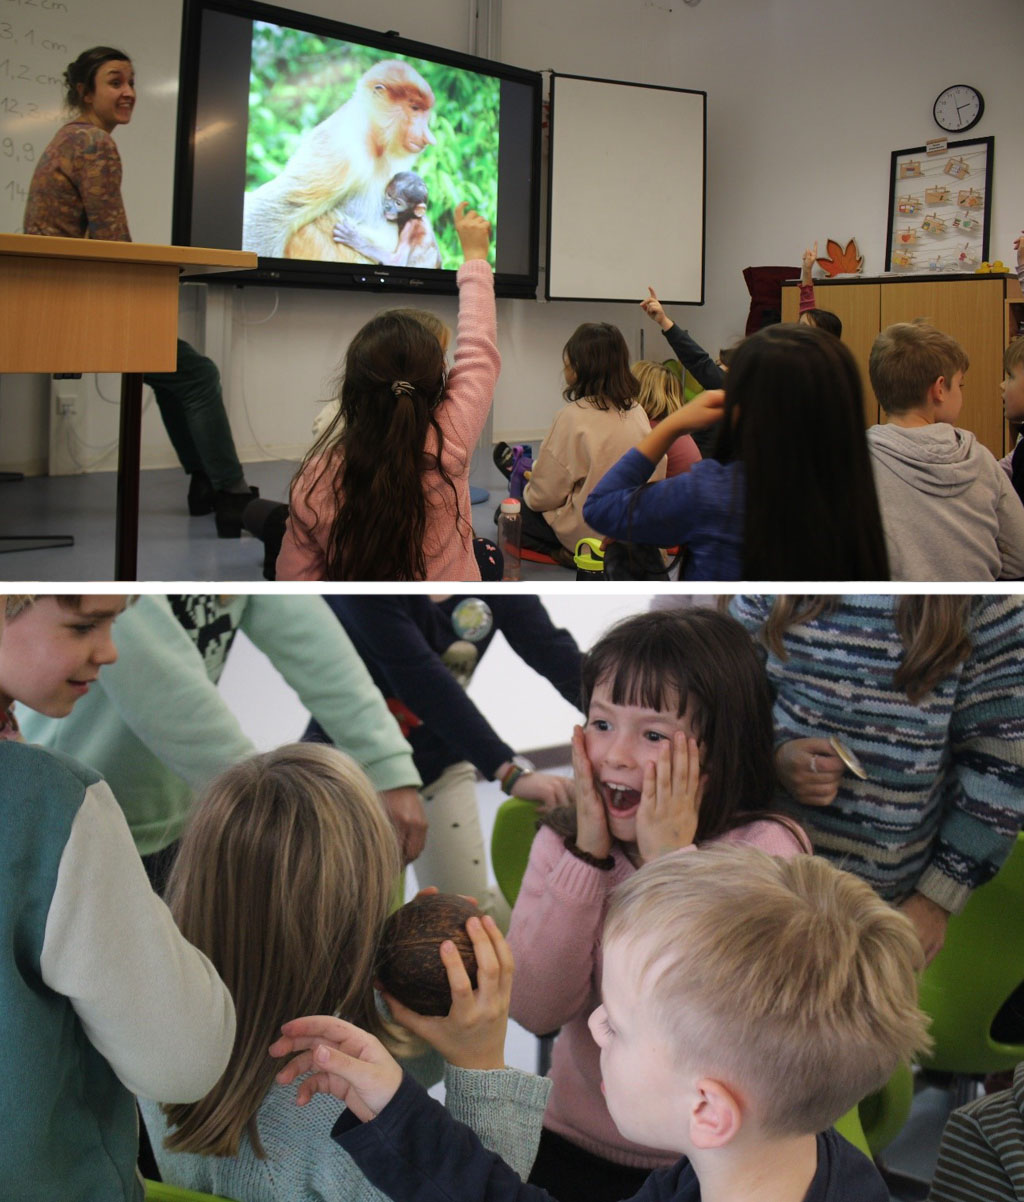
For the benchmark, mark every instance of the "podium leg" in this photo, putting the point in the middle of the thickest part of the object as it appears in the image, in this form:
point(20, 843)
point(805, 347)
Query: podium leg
point(128, 462)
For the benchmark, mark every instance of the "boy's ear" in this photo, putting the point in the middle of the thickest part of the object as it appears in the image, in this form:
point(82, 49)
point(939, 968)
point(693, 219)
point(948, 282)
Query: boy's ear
point(937, 390)
point(716, 1115)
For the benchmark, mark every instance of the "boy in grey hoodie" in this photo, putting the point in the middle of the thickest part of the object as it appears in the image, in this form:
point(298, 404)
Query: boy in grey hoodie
point(948, 510)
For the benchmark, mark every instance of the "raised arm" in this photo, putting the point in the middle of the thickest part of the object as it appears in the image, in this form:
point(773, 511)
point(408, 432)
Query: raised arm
point(806, 285)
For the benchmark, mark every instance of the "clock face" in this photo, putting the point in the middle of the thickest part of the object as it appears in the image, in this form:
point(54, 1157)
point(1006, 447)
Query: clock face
point(958, 108)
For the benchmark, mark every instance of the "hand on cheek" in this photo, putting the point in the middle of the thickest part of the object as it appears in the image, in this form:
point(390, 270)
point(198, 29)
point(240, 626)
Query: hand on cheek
point(592, 834)
point(670, 800)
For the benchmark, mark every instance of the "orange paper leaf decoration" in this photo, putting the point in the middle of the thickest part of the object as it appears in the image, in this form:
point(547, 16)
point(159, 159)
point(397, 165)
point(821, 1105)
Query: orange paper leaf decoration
point(841, 261)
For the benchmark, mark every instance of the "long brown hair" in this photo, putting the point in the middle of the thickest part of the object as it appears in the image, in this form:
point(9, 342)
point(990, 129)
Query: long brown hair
point(284, 880)
point(934, 630)
point(373, 452)
point(599, 358)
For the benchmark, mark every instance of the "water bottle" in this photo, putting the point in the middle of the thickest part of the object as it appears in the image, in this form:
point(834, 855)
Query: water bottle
point(510, 537)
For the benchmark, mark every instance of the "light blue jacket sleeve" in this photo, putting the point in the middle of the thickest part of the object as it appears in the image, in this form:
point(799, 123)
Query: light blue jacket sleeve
point(309, 647)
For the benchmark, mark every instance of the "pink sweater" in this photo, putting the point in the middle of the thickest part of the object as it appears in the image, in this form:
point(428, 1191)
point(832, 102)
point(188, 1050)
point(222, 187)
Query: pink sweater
point(448, 544)
point(555, 936)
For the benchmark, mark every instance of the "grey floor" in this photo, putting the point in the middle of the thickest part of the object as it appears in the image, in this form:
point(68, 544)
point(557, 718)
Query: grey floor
point(172, 545)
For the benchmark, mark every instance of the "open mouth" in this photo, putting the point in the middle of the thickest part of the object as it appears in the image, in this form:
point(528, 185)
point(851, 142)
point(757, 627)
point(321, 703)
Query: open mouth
point(621, 799)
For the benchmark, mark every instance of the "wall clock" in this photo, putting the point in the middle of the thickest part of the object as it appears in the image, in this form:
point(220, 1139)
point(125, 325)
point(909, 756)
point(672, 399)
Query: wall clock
point(958, 108)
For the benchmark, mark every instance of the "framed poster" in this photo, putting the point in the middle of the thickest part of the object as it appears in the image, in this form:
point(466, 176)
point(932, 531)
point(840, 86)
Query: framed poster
point(940, 200)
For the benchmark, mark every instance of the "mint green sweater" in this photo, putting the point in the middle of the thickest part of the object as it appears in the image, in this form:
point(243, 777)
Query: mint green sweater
point(157, 729)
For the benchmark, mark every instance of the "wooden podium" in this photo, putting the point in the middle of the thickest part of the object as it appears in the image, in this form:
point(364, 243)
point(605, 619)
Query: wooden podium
point(78, 305)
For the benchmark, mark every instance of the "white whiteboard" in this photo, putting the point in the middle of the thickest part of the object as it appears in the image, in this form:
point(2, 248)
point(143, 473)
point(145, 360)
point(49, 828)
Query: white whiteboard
point(626, 207)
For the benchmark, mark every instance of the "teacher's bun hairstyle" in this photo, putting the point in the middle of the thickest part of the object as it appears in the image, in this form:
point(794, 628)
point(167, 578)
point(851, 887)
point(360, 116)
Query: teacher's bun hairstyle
point(409, 964)
point(80, 76)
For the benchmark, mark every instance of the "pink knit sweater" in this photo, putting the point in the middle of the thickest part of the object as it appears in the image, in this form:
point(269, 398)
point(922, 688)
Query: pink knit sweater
point(461, 415)
point(555, 936)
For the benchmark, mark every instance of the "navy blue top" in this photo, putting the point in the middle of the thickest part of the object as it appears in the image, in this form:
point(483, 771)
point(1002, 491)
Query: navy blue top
point(414, 1151)
point(703, 509)
point(401, 640)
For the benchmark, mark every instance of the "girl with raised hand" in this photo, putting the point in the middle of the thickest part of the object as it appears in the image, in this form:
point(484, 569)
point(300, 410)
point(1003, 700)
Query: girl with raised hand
point(284, 878)
point(383, 494)
point(676, 753)
point(790, 493)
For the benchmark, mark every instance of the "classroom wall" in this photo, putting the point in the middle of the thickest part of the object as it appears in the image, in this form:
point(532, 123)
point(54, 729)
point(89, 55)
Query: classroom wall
point(805, 103)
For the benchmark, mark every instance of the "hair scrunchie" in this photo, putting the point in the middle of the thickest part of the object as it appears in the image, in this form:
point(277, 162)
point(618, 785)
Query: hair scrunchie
point(400, 386)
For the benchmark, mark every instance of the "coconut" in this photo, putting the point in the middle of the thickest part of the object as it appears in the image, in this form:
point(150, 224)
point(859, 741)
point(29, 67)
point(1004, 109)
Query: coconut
point(409, 964)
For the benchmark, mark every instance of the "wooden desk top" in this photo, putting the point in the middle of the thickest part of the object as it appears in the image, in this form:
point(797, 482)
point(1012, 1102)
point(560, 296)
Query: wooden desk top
point(196, 259)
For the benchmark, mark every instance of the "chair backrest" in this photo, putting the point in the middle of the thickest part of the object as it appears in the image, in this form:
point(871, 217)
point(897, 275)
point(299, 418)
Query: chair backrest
point(515, 825)
point(979, 967)
point(158, 1191)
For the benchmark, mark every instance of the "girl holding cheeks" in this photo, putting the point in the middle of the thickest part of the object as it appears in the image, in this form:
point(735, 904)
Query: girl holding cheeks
point(677, 752)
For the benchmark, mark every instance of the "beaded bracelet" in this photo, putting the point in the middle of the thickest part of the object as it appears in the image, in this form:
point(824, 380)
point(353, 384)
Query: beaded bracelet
point(508, 781)
point(605, 864)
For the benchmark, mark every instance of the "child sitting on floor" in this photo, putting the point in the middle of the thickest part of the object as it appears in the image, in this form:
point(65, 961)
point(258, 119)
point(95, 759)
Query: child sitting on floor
point(383, 494)
point(948, 510)
point(600, 420)
point(661, 393)
point(789, 494)
point(747, 1002)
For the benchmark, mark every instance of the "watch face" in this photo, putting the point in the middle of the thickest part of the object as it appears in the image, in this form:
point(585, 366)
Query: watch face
point(958, 108)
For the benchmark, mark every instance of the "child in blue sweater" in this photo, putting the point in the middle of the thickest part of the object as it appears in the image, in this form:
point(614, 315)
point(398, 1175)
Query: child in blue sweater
point(789, 496)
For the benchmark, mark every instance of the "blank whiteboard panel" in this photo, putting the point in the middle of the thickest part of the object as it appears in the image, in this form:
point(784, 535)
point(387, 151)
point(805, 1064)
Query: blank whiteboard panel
point(626, 197)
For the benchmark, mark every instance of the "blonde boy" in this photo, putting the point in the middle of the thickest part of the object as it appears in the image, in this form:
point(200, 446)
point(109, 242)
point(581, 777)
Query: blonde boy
point(949, 513)
point(748, 1002)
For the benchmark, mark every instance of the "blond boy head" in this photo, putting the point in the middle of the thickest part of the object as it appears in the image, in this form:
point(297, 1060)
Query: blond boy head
point(788, 981)
point(908, 359)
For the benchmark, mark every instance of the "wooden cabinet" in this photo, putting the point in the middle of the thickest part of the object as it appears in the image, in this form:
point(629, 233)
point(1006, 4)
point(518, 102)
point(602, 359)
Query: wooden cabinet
point(978, 311)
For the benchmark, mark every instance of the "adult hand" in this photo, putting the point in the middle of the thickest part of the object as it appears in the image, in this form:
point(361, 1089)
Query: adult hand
point(409, 816)
point(474, 232)
point(592, 833)
point(342, 1060)
point(670, 799)
point(472, 1034)
point(809, 770)
point(930, 921)
point(547, 789)
point(652, 307)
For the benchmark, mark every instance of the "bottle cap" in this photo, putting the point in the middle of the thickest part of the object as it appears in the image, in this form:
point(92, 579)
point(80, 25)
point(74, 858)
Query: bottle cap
point(510, 505)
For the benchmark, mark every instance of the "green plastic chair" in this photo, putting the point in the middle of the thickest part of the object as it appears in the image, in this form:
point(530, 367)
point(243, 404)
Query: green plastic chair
point(969, 981)
point(515, 825)
point(157, 1191)
point(849, 1126)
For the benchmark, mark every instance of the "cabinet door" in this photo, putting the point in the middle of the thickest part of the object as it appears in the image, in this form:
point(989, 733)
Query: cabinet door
point(971, 310)
point(857, 307)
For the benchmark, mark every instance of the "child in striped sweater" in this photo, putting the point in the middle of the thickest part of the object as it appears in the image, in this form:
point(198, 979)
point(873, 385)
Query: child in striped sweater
point(925, 691)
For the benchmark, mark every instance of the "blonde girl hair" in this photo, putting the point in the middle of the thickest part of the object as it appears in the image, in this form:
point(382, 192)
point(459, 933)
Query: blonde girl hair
point(934, 630)
point(284, 879)
point(661, 391)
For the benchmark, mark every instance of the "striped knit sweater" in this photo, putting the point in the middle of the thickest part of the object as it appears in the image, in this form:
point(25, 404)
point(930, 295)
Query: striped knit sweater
point(981, 1157)
point(944, 796)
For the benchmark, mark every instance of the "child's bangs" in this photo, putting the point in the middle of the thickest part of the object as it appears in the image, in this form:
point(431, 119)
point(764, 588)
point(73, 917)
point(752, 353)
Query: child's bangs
point(647, 684)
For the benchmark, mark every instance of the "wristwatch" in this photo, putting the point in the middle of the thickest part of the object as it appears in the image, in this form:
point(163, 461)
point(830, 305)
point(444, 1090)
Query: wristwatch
point(521, 766)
